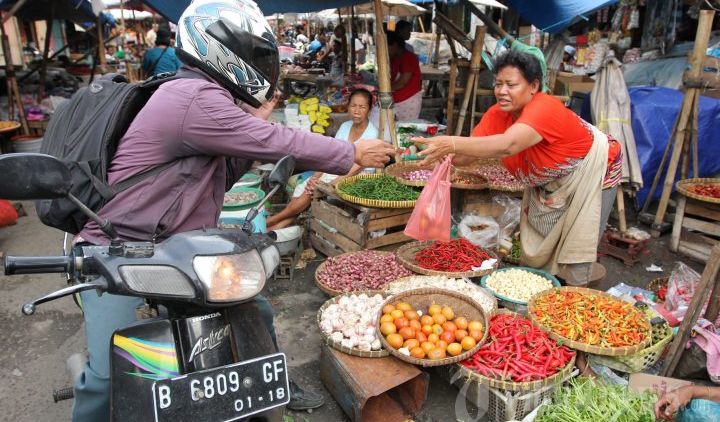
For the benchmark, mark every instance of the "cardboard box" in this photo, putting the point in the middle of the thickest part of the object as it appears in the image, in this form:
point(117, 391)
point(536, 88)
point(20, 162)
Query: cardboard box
point(641, 382)
point(567, 83)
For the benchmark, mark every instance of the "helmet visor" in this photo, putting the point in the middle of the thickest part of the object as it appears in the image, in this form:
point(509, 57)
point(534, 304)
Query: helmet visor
point(260, 53)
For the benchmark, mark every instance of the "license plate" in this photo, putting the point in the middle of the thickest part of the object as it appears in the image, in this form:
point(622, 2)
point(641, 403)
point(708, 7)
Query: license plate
point(224, 394)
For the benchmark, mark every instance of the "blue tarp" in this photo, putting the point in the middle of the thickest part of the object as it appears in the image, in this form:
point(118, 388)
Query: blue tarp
point(172, 9)
point(654, 111)
point(555, 15)
point(78, 11)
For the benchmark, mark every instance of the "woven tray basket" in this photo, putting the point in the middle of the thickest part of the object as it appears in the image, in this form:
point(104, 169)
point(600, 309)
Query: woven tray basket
point(406, 256)
point(422, 299)
point(662, 335)
point(337, 346)
point(398, 169)
point(329, 290)
point(557, 377)
point(596, 350)
point(482, 182)
point(372, 203)
point(683, 185)
point(8, 125)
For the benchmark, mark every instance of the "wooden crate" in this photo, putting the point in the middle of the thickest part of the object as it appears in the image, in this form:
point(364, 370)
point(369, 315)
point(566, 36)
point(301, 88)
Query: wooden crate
point(336, 226)
point(696, 228)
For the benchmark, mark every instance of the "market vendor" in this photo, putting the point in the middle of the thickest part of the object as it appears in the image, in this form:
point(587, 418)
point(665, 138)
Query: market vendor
point(406, 79)
point(358, 127)
point(689, 403)
point(570, 167)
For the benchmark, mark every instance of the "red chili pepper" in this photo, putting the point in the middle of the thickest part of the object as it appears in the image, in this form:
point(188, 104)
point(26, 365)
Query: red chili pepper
point(458, 255)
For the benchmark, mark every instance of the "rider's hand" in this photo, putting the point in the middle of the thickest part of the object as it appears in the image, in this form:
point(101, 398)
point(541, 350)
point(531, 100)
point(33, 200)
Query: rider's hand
point(264, 111)
point(372, 153)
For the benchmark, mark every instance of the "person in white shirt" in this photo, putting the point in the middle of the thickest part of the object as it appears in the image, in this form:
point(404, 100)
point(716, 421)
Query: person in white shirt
point(358, 127)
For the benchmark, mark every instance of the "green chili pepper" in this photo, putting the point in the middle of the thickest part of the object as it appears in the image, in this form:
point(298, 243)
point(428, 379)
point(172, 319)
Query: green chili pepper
point(382, 188)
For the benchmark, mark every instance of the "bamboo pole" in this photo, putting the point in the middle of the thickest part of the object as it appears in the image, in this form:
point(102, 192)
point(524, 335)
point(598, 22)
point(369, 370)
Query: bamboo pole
point(493, 27)
point(385, 93)
point(353, 37)
point(475, 62)
point(14, 91)
point(452, 87)
point(46, 53)
point(686, 112)
point(13, 10)
point(101, 46)
point(705, 288)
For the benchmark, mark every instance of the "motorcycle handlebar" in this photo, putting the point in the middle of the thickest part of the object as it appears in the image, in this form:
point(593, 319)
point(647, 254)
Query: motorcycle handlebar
point(37, 264)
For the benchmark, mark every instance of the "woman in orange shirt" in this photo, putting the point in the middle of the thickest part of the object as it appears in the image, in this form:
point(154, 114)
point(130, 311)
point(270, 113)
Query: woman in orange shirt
point(571, 169)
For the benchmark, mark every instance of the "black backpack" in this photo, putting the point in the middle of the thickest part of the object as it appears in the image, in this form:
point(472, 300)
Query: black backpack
point(84, 133)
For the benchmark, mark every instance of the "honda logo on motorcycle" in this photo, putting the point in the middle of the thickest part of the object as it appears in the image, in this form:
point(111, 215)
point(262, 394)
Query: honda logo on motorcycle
point(210, 342)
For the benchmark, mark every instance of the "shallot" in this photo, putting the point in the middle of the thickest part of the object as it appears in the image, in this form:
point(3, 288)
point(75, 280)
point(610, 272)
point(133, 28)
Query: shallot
point(417, 175)
point(499, 176)
point(355, 317)
point(364, 270)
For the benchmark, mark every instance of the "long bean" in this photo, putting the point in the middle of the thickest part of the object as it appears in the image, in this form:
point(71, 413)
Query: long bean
point(382, 188)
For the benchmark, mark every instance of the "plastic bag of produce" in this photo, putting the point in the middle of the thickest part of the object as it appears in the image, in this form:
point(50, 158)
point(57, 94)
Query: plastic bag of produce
point(480, 230)
point(681, 288)
point(430, 220)
point(509, 220)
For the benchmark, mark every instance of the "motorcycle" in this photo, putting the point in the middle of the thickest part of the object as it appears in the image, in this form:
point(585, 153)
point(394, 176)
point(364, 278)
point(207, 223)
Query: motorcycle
point(203, 352)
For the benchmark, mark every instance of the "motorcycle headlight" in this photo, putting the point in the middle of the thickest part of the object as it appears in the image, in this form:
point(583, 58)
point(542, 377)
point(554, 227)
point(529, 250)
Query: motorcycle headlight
point(231, 278)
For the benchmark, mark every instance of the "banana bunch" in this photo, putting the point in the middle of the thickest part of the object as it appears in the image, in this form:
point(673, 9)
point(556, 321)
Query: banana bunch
point(318, 113)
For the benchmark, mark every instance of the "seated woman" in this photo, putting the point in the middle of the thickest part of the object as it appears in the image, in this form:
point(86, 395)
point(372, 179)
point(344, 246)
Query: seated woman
point(570, 167)
point(358, 127)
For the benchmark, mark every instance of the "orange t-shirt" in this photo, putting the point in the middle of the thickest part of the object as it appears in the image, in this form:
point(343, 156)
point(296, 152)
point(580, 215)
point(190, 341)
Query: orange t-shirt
point(566, 139)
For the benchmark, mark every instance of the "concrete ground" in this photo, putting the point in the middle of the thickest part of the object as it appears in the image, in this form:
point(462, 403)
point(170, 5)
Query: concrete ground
point(34, 348)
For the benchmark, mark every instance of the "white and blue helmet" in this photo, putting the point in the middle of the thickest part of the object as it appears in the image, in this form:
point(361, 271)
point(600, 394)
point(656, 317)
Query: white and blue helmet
point(231, 41)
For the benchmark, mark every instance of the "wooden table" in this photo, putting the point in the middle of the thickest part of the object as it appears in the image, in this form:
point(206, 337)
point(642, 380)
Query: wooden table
point(701, 217)
point(430, 73)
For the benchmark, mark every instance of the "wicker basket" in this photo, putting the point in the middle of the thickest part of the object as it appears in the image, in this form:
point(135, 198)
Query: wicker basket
point(512, 304)
point(329, 290)
point(406, 255)
point(349, 350)
point(683, 185)
point(517, 386)
point(422, 299)
point(372, 203)
point(662, 335)
point(482, 182)
point(398, 169)
point(596, 350)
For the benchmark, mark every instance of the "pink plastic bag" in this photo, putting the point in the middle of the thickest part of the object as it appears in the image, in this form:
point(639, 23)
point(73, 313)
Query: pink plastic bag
point(430, 219)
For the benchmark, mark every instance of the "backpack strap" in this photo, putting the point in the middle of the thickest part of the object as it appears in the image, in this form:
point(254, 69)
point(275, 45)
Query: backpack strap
point(137, 178)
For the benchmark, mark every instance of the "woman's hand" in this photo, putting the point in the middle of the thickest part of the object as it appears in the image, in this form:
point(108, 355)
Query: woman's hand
point(438, 148)
point(668, 405)
point(264, 111)
point(372, 153)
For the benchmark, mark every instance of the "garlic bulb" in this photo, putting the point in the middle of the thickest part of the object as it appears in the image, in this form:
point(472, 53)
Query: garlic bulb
point(337, 337)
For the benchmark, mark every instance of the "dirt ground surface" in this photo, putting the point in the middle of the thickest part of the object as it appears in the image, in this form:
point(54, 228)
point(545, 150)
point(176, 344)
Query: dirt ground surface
point(35, 347)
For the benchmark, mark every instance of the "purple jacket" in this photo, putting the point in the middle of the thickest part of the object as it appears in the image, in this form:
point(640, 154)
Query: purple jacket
point(195, 123)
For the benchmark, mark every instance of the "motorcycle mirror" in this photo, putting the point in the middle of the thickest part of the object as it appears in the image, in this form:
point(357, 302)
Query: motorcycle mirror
point(33, 176)
point(282, 171)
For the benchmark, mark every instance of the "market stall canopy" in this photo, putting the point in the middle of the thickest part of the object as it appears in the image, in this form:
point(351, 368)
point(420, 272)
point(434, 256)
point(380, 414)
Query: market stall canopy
point(392, 8)
point(555, 15)
point(78, 11)
point(172, 9)
point(489, 3)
